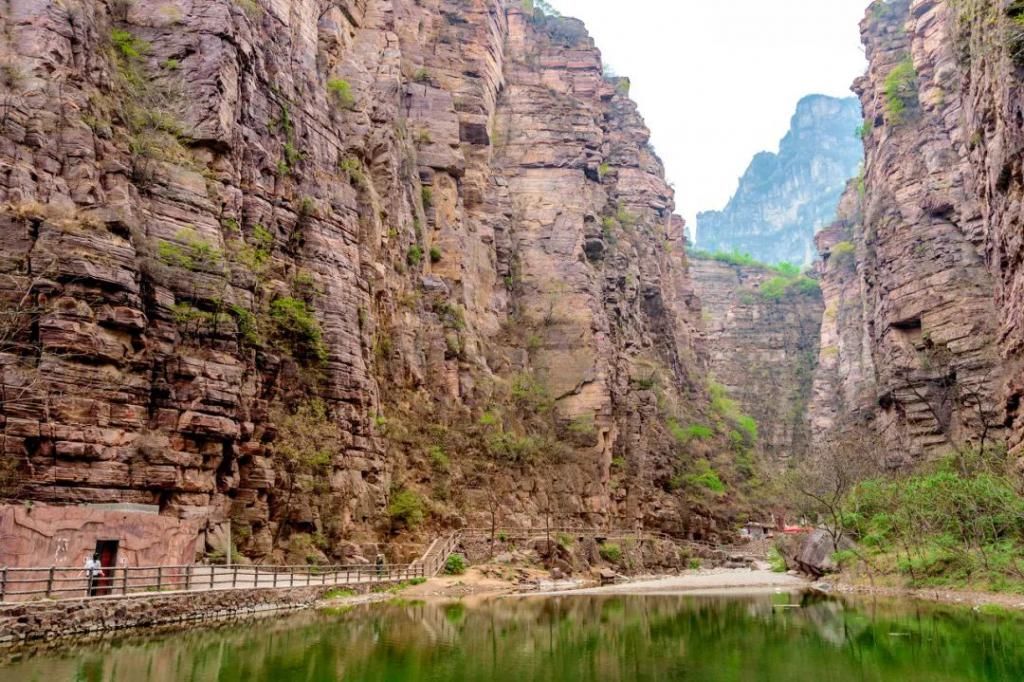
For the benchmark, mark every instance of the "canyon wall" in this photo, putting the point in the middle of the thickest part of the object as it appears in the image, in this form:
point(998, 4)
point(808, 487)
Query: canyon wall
point(334, 269)
point(784, 198)
point(762, 349)
point(922, 333)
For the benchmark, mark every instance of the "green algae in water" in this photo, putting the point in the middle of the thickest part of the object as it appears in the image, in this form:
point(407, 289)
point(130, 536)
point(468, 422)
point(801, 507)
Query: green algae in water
point(649, 637)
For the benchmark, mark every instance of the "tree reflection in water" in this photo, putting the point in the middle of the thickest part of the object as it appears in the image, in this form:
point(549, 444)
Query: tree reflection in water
point(650, 637)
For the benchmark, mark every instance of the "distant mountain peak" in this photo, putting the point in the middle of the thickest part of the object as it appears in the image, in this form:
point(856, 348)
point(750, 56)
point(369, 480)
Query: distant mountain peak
point(784, 198)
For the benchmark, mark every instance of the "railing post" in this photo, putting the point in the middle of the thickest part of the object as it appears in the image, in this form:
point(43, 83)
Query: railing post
point(291, 578)
point(275, 578)
point(234, 576)
point(256, 575)
point(159, 578)
point(213, 573)
point(3, 582)
point(49, 582)
point(188, 577)
point(124, 580)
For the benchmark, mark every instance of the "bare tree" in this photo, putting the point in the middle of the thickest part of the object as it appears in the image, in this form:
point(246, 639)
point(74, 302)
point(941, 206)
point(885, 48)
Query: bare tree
point(824, 481)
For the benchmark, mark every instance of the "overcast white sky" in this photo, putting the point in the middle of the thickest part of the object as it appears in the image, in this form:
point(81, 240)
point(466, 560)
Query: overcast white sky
point(718, 80)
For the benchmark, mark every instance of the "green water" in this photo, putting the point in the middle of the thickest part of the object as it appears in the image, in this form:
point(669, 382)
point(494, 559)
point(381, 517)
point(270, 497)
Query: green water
point(771, 637)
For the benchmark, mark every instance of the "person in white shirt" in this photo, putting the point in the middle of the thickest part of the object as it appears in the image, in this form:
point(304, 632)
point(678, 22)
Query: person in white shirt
point(93, 570)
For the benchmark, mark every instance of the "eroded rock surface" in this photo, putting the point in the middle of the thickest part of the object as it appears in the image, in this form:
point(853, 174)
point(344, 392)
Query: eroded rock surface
point(437, 216)
point(919, 275)
point(762, 349)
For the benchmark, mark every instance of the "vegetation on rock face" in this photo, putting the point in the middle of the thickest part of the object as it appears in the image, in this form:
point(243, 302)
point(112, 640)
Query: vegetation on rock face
point(306, 441)
point(788, 279)
point(341, 92)
point(706, 478)
point(299, 328)
point(406, 508)
point(900, 91)
point(610, 552)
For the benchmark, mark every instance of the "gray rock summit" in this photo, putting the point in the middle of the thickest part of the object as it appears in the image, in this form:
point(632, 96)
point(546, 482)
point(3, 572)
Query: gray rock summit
point(784, 198)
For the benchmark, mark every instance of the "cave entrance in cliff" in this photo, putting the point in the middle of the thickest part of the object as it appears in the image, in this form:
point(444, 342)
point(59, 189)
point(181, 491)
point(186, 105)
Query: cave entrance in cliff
point(107, 551)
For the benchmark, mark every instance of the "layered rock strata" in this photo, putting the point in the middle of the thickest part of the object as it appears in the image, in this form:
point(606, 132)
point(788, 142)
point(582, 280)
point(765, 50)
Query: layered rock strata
point(763, 350)
point(922, 324)
point(431, 231)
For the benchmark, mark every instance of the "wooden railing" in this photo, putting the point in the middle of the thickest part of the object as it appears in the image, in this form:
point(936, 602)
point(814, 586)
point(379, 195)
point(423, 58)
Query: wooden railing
point(434, 559)
point(754, 548)
point(21, 584)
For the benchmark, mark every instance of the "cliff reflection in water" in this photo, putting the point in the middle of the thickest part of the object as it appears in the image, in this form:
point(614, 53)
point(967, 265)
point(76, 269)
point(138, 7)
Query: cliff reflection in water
point(654, 637)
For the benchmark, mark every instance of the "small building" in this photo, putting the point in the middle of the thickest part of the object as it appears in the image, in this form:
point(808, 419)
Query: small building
point(123, 535)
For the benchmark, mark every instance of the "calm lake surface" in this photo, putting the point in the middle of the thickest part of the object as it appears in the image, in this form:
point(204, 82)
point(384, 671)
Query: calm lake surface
point(652, 637)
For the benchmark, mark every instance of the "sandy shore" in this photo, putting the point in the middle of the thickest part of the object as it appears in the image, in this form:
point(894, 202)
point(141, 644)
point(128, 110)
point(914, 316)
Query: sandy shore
point(713, 581)
point(477, 583)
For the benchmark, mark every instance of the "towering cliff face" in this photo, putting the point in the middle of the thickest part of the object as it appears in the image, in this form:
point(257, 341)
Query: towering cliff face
point(763, 347)
point(784, 198)
point(326, 267)
point(921, 277)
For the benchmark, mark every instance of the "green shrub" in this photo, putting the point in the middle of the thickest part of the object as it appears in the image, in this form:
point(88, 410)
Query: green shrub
point(248, 326)
point(841, 249)
point(610, 552)
point(341, 91)
point(406, 508)
point(414, 256)
point(338, 593)
point(427, 196)
point(778, 287)
point(529, 393)
point(127, 45)
point(455, 564)
point(352, 167)
point(706, 478)
point(603, 170)
point(435, 254)
point(733, 257)
point(296, 323)
point(421, 76)
point(439, 459)
point(863, 131)
point(720, 400)
point(774, 289)
point(192, 253)
point(777, 561)
point(514, 448)
point(748, 425)
point(900, 91)
point(684, 434)
point(694, 564)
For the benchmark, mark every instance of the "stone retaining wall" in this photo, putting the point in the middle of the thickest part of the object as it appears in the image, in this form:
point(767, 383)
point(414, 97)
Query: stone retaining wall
point(44, 620)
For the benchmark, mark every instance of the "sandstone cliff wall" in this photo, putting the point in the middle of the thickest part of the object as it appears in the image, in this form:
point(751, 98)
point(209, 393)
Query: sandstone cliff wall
point(436, 216)
point(922, 320)
point(763, 350)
